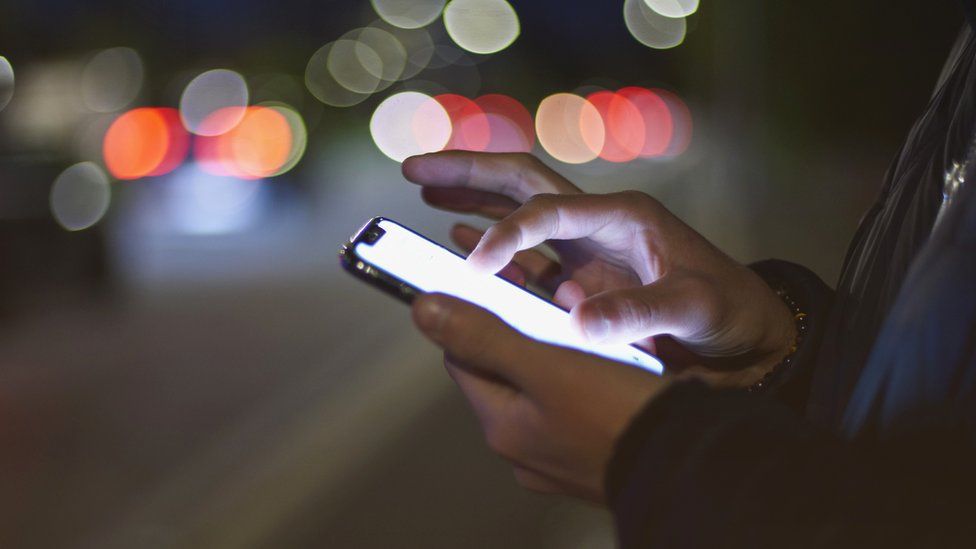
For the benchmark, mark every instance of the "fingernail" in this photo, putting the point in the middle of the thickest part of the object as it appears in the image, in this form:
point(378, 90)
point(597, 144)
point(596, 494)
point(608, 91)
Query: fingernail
point(430, 313)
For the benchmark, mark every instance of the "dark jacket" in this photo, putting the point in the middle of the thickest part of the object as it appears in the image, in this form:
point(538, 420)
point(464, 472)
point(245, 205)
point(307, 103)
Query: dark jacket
point(869, 439)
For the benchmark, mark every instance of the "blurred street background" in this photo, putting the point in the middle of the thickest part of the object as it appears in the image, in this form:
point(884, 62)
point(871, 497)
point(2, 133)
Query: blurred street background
point(182, 361)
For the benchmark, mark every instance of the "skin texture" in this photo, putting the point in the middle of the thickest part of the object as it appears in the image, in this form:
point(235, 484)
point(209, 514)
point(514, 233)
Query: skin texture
point(627, 269)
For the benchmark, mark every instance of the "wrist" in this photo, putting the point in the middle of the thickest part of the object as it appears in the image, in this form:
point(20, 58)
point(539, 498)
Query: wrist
point(792, 328)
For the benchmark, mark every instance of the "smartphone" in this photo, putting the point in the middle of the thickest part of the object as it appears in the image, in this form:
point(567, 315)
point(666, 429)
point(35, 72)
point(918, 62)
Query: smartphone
point(404, 263)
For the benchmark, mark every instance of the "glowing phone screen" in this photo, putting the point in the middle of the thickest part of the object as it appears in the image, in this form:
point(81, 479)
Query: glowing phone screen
point(432, 268)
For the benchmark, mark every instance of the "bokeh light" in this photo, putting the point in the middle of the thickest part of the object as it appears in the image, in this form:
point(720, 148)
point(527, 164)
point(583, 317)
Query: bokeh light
point(570, 128)
point(417, 44)
point(282, 89)
point(80, 196)
point(355, 66)
point(391, 52)
point(651, 28)
point(625, 132)
point(408, 14)
point(194, 201)
point(469, 125)
point(683, 125)
point(299, 135)
point(481, 26)
point(510, 124)
point(6, 82)
point(673, 8)
point(410, 123)
point(261, 143)
point(208, 93)
point(324, 86)
point(656, 117)
point(258, 147)
point(111, 80)
point(145, 142)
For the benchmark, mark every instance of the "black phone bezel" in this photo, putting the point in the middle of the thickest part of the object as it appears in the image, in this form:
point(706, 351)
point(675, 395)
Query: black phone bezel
point(370, 274)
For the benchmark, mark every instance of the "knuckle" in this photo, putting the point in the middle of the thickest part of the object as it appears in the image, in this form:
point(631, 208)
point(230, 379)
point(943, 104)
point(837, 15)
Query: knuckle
point(635, 313)
point(639, 201)
point(544, 210)
point(527, 161)
point(541, 201)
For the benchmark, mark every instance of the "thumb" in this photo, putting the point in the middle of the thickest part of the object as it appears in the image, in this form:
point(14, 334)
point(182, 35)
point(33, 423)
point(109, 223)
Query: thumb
point(478, 340)
point(624, 316)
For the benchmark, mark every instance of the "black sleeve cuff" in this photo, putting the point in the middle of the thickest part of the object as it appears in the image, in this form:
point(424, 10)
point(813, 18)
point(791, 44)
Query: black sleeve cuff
point(814, 298)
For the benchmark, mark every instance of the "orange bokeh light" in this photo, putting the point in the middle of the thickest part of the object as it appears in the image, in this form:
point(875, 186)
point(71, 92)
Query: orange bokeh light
point(257, 147)
point(470, 128)
point(145, 142)
point(570, 128)
point(510, 123)
point(625, 132)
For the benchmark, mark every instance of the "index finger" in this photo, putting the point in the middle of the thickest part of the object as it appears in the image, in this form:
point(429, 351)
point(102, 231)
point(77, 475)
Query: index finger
point(518, 176)
point(548, 217)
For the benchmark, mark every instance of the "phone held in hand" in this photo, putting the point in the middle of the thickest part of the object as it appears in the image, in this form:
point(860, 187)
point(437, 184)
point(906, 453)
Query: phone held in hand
point(404, 263)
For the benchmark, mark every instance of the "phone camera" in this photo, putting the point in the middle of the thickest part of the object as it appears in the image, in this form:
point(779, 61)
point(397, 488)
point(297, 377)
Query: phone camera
point(373, 234)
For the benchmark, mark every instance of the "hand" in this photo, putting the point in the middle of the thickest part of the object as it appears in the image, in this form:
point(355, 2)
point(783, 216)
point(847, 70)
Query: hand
point(554, 413)
point(628, 269)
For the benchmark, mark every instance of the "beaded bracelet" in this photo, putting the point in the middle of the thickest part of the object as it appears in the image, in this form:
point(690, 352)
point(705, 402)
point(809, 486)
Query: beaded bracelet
point(800, 318)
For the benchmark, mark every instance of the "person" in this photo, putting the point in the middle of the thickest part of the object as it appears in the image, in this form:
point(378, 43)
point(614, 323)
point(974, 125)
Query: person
point(792, 415)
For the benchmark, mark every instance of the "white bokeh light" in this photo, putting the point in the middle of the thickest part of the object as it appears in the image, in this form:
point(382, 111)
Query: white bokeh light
point(419, 48)
point(651, 28)
point(80, 196)
point(6, 82)
point(355, 66)
point(323, 86)
point(408, 14)
point(673, 8)
point(410, 123)
point(481, 26)
point(111, 80)
point(389, 49)
point(212, 91)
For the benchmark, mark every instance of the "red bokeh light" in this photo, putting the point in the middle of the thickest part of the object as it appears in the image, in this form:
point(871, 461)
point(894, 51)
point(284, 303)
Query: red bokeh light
point(658, 122)
point(470, 129)
point(510, 123)
point(681, 122)
point(257, 147)
point(145, 142)
point(624, 126)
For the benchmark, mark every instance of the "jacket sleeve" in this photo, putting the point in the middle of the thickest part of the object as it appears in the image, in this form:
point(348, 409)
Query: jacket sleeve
point(814, 298)
point(705, 468)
